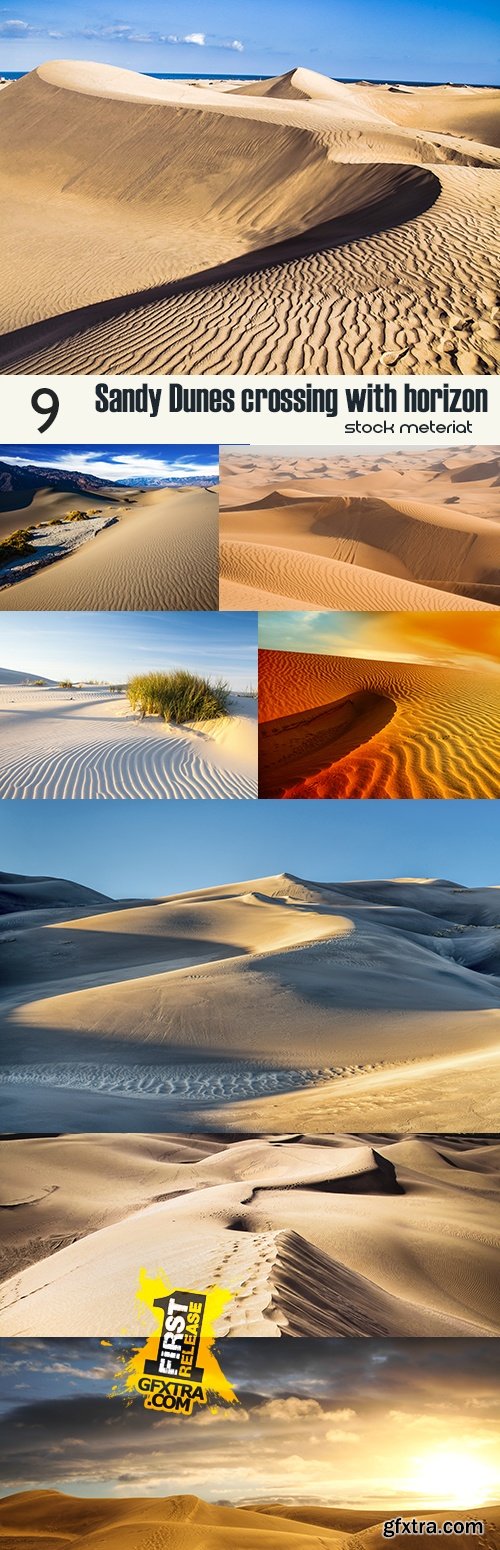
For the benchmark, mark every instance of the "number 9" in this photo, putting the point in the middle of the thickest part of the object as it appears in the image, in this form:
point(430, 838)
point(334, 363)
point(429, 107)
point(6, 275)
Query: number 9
point(50, 407)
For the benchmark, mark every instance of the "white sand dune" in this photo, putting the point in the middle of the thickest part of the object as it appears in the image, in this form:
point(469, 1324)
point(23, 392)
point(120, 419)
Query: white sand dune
point(160, 552)
point(176, 1522)
point(78, 743)
point(403, 532)
point(341, 1236)
point(214, 1005)
point(306, 227)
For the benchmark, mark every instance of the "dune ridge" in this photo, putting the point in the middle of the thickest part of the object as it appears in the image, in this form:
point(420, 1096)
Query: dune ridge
point(359, 533)
point(174, 1522)
point(214, 1003)
point(442, 740)
point(160, 552)
point(340, 1236)
point(306, 183)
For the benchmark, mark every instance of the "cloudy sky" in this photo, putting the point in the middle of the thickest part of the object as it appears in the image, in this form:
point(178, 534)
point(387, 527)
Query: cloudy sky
point(443, 40)
point(120, 463)
point(351, 1423)
point(459, 640)
point(111, 647)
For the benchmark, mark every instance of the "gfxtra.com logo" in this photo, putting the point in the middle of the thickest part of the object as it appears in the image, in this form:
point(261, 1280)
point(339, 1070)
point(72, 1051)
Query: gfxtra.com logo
point(174, 1379)
point(177, 1368)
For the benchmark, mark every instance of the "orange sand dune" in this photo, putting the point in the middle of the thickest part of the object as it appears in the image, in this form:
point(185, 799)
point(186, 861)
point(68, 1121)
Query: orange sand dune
point(179, 1522)
point(345, 727)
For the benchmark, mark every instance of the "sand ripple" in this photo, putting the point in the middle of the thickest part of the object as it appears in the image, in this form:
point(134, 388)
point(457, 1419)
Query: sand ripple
point(198, 1082)
point(443, 741)
point(54, 753)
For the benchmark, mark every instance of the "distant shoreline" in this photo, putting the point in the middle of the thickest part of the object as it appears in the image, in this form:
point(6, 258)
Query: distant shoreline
point(347, 80)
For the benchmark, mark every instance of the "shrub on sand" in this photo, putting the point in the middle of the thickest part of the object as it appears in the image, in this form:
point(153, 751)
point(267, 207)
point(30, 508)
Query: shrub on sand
point(178, 696)
point(65, 684)
point(16, 546)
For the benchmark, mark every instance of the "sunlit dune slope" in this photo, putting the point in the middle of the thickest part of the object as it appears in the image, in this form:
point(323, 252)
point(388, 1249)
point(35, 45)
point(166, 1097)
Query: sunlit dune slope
point(293, 226)
point(161, 552)
point(240, 175)
point(339, 1236)
point(229, 997)
point(176, 1522)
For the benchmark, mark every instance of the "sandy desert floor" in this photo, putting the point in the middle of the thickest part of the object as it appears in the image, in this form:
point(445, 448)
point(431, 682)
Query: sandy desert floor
point(176, 1522)
point(326, 1236)
point(272, 1005)
point(403, 531)
point(88, 743)
point(344, 727)
point(297, 225)
point(159, 552)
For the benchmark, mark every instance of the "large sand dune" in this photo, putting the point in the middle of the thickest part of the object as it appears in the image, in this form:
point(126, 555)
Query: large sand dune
point(347, 1235)
point(188, 1523)
point(87, 743)
point(348, 727)
point(402, 532)
point(292, 226)
point(159, 552)
point(272, 1004)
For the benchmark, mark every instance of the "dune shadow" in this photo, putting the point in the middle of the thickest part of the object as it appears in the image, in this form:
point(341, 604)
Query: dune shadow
point(292, 748)
point(414, 191)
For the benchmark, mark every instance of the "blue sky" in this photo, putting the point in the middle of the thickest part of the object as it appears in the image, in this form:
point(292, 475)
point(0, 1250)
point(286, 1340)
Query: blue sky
point(145, 849)
point(346, 1424)
point(453, 40)
point(121, 463)
point(113, 646)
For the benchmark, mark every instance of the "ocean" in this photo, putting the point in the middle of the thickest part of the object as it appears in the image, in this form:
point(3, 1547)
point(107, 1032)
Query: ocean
point(348, 80)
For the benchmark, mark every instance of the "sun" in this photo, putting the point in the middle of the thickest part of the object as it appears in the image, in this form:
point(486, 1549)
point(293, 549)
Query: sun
point(452, 1477)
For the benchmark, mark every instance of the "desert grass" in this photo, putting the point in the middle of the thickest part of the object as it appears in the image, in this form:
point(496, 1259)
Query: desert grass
point(178, 696)
point(16, 546)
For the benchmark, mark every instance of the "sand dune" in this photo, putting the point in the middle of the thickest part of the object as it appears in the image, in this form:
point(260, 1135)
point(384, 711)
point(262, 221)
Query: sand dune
point(272, 1004)
point(174, 1522)
point(87, 743)
point(348, 727)
point(402, 532)
point(339, 1236)
point(321, 234)
point(159, 552)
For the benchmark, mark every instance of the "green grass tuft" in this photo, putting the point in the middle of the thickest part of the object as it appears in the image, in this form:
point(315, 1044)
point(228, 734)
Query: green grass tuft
point(179, 696)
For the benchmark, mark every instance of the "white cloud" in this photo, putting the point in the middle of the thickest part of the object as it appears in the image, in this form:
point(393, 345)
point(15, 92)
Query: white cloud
point(14, 29)
point(126, 466)
point(195, 37)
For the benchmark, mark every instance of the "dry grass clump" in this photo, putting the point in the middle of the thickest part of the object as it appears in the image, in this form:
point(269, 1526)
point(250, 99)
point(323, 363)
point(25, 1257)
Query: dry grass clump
point(16, 546)
point(178, 696)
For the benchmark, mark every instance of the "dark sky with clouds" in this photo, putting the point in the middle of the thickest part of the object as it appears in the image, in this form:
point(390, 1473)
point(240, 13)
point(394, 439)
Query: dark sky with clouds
point(343, 1421)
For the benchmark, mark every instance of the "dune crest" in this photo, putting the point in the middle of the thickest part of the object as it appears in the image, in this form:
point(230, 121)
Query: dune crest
point(359, 533)
point(442, 739)
point(175, 1521)
point(341, 1236)
point(341, 996)
point(305, 182)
